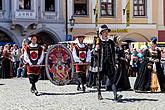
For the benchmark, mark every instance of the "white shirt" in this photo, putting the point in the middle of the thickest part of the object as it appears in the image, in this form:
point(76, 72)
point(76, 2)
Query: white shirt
point(101, 37)
point(27, 59)
point(102, 40)
point(76, 58)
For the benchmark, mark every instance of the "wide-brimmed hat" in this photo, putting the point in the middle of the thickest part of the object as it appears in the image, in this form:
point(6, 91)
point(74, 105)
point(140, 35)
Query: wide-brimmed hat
point(81, 36)
point(103, 28)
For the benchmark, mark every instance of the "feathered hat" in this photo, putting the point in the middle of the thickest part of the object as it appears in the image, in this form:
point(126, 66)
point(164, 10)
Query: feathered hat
point(154, 40)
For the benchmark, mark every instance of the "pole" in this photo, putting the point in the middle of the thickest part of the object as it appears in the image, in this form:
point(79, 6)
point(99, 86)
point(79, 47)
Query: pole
point(98, 52)
point(66, 11)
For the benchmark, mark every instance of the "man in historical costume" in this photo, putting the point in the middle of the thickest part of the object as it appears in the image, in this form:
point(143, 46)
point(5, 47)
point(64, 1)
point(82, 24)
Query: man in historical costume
point(82, 56)
point(33, 56)
point(105, 48)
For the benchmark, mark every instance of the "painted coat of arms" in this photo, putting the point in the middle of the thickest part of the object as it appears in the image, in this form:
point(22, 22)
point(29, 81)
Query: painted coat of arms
point(59, 63)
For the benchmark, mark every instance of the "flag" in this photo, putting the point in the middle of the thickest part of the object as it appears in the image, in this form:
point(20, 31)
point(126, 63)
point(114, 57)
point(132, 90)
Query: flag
point(128, 13)
point(96, 13)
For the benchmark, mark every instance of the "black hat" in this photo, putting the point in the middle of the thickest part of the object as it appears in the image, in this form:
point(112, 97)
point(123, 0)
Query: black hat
point(154, 40)
point(103, 27)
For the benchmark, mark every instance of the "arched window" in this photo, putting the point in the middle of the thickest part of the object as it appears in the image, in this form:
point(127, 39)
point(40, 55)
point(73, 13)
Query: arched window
point(49, 5)
point(25, 4)
point(107, 8)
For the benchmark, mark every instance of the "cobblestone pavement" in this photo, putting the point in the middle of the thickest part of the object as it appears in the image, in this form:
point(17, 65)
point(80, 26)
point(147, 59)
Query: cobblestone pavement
point(15, 95)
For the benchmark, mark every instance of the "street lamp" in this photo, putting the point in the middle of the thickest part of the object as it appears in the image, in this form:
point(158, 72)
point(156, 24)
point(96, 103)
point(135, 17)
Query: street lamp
point(124, 11)
point(72, 21)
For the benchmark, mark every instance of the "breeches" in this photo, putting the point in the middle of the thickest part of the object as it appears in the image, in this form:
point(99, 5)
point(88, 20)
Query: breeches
point(33, 78)
point(108, 70)
point(82, 78)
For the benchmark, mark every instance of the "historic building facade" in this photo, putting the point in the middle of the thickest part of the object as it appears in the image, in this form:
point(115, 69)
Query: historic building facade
point(161, 21)
point(21, 18)
point(143, 18)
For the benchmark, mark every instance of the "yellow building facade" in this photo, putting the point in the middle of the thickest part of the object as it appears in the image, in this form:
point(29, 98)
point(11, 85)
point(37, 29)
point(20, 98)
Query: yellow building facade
point(143, 18)
point(161, 20)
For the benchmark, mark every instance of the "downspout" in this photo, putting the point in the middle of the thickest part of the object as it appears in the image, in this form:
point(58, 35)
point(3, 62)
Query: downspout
point(66, 11)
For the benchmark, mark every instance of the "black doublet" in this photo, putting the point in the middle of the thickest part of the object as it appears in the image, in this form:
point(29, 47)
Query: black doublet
point(107, 52)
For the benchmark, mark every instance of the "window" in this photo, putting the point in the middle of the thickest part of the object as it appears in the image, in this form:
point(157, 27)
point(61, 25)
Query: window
point(49, 5)
point(25, 4)
point(139, 8)
point(0, 4)
point(80, 7)
point(107, 7)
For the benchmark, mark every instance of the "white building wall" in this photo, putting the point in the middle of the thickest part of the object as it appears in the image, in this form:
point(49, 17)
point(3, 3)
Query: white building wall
point(149, 11)
point(55, 25)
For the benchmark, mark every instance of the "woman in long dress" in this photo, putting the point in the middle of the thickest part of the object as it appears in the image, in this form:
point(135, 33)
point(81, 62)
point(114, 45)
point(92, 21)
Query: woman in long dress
point(150, 77)
point(121, 77)
point(6, 63)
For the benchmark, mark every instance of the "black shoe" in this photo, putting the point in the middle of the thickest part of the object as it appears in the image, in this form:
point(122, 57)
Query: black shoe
point(32, 89)
point(78, 88)
point(118, 97)
point(100, 97)
point(36, 92)
point(83, 88)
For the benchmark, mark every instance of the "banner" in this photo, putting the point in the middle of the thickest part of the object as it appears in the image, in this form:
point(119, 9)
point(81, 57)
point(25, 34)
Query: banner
point(128, 13)
point(97, 14)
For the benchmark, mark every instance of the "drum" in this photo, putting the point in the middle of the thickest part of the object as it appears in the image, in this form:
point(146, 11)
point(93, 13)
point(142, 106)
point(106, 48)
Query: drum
point(59, 65)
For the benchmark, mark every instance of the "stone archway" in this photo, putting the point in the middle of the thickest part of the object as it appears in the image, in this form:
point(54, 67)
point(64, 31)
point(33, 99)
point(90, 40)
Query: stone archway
point(132, 38)
point(46, 38)
point(7, 36)
point(135, 37)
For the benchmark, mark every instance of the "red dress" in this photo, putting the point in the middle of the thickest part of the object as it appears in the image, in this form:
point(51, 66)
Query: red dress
point(7, 71)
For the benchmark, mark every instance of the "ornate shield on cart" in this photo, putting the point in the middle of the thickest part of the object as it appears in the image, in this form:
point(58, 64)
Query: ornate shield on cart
point(59, 63)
